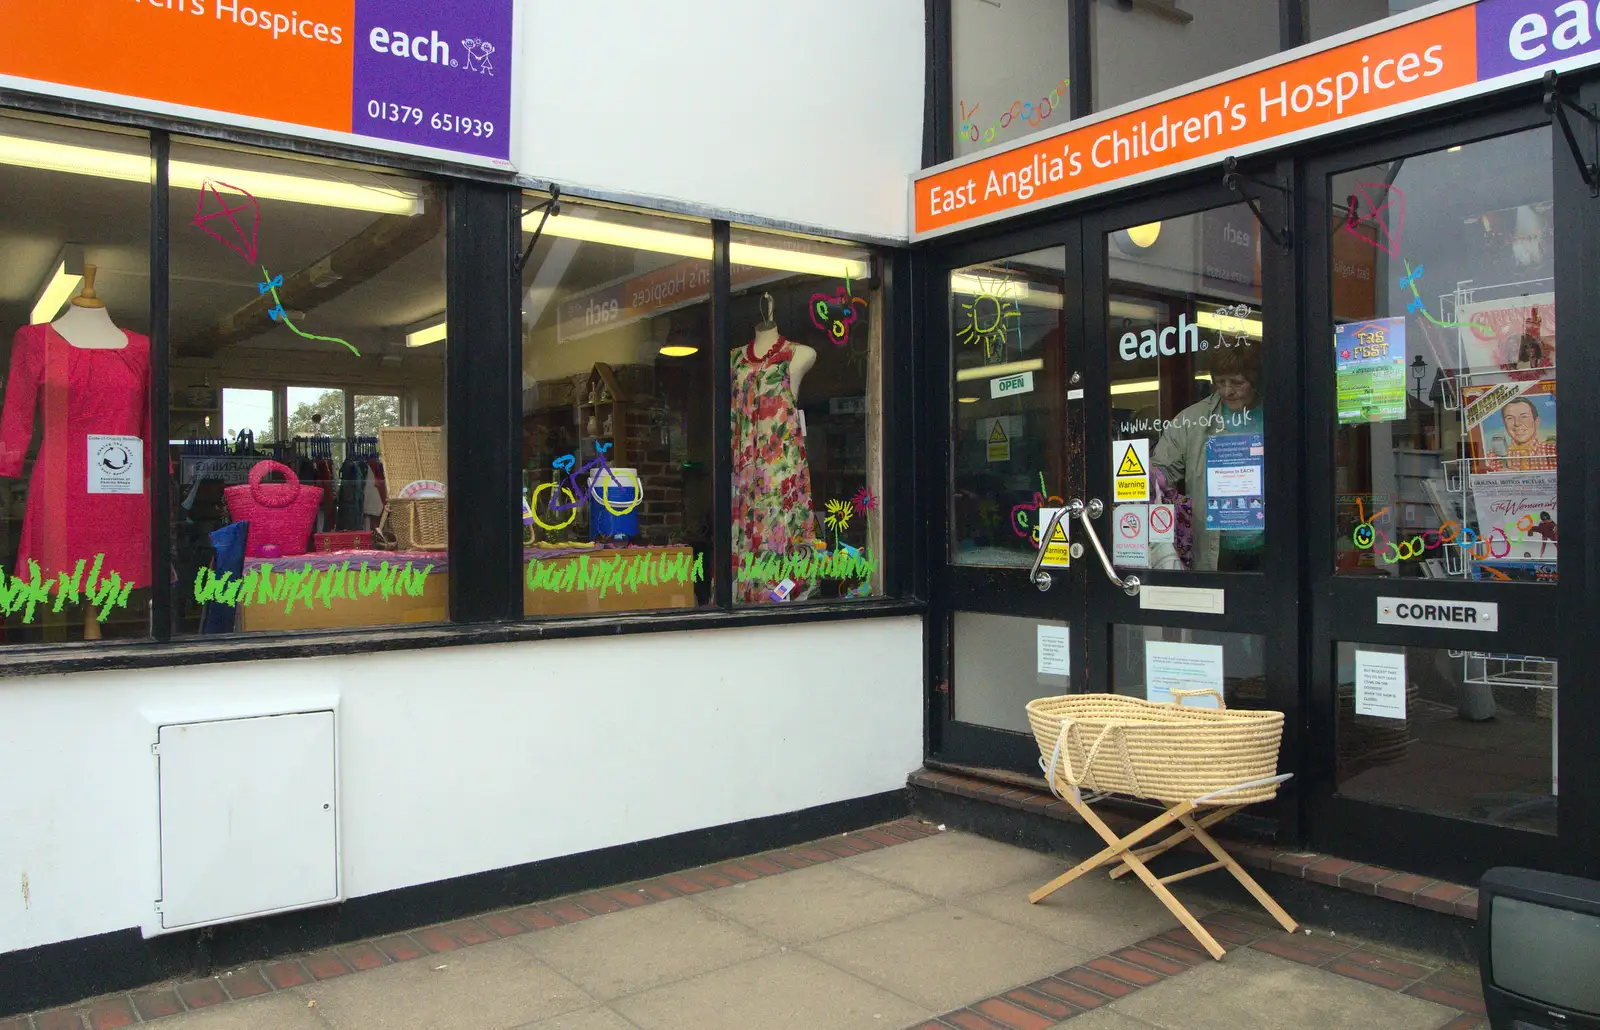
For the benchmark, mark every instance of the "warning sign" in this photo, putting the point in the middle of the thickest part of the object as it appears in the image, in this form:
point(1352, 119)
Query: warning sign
point(1130, 547)
point(1058, 551)
point(1130, 464)
point(999, 446)
point(1162, 519)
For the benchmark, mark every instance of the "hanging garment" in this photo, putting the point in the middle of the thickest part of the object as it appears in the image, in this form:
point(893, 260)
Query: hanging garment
point(772, 514)
point(78, 392)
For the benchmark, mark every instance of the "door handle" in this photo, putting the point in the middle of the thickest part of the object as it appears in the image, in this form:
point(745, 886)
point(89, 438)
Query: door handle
point(1127, 584)
point(1036, 576)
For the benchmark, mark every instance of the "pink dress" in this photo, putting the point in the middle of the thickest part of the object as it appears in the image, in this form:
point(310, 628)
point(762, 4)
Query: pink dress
point(79, 391)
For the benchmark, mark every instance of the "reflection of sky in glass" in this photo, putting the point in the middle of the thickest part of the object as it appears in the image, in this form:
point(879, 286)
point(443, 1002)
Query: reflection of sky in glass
point(247, 409)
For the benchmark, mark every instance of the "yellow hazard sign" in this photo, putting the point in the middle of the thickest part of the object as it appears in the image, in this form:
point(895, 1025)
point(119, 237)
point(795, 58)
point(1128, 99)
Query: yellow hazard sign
point(1131, 461)
point(999, 445)
point(1058, 551)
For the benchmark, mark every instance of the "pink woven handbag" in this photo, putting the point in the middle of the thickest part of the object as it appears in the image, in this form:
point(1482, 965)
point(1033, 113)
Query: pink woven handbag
point(278, 513)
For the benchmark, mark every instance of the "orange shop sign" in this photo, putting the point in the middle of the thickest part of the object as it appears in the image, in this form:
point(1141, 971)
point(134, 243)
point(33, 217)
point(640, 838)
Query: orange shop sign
point(1440, 54)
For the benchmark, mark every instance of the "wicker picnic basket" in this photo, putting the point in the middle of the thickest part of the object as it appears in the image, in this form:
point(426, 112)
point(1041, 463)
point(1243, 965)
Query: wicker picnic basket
point(1165, 752)
point(410, 453)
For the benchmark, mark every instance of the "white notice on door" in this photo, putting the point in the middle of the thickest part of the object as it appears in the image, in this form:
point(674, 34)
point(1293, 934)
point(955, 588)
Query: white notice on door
point(1170, 666)
point(1055, 657)
point(1381, 684)
point(116, 464)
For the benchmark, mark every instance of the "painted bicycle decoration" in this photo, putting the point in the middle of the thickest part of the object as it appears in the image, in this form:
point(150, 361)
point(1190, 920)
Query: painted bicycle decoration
point(555, 505)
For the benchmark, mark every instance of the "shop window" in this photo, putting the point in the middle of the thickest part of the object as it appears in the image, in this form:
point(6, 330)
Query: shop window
point(1142, 47)
point(616, 427)
point(1009, 448)
point(1444, 347)
point(1187, 394)
point(251, 412)
point(1466, 734)
point(806, 324)
point(1010, 74)
point(75, 448)
point(1149, 662)
point(1324, 18)
point(372, 412)
point(296, 287)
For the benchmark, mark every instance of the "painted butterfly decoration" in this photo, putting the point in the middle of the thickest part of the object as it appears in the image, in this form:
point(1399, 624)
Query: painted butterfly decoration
point(836, 315)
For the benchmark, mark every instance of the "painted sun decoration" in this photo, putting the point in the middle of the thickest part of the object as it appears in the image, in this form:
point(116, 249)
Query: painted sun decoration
point(988, 316)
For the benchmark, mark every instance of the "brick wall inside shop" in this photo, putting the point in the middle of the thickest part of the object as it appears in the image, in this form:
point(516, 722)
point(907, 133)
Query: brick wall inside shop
point(643, 449)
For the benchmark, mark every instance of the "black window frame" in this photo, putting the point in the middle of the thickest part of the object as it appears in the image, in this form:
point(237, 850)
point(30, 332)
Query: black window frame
point(484, 402)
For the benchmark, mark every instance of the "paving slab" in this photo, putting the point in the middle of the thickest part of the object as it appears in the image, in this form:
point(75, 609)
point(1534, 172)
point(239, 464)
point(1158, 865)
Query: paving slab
point(1256, 990)
point(600, 1018)
point(814, 903)
point(956, 865)
point(486, 987)
point(945, 956)
point(1093, 911)
point(625, 952)
point(787, 991)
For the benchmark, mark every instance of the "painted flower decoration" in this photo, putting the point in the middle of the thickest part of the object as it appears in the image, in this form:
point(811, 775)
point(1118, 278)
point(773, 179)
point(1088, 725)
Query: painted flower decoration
point(839, 515)
point(865, 501)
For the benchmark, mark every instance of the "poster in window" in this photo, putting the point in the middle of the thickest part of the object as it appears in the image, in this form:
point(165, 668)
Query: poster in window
point(1370, 370)
point(1511, 425)
point(1235, 497)
point(1514, 334)
point(1517, 510)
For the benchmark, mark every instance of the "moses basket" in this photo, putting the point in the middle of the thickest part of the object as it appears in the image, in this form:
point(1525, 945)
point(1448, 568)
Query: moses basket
point(1107, 743)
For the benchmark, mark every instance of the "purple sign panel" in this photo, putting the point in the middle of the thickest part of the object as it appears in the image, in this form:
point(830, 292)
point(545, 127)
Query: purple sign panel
point(435, 74)
point(1518, 34)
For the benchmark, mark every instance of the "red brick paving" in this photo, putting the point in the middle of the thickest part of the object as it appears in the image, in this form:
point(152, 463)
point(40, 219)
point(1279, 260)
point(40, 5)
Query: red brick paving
point(110, 1014)
point(199, 994)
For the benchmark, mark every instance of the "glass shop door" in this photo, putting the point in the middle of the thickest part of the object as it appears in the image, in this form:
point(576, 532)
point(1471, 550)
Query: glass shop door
point(1133, 368)
point(1005, 371)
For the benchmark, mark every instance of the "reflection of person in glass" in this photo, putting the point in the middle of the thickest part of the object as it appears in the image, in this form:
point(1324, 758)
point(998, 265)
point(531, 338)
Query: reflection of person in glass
point(1233, 407)
point(1526, 453)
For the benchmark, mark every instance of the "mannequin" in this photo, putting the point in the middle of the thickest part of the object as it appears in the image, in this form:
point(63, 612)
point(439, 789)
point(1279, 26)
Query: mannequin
point(805, 358)
point(87, 382)
point(772, 513)
point(86, 323)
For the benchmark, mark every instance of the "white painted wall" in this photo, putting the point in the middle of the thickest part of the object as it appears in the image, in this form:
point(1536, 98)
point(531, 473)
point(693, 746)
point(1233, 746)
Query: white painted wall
point(806, 111)
point(459, 760)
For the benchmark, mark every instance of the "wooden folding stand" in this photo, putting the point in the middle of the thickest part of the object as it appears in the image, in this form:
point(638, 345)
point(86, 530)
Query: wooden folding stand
point(1131, 858)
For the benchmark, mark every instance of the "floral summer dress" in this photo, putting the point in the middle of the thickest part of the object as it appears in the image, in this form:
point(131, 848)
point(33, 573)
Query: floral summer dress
point(772, 514)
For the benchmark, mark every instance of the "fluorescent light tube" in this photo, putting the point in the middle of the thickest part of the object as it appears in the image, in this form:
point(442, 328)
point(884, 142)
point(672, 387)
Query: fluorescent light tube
point(106, 164)
point(1135, 386)
point(976, 285)
point(966, 375)
point(660, 241)
point(429, 334)
point(62, 285)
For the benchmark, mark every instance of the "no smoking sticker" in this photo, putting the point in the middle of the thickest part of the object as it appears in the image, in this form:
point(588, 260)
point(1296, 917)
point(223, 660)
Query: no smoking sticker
point(1130, 544)
point(1162, 518)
